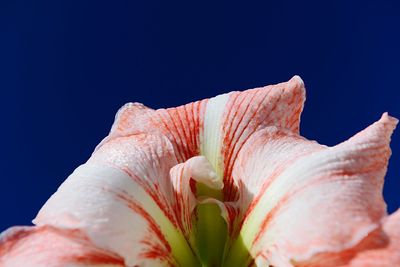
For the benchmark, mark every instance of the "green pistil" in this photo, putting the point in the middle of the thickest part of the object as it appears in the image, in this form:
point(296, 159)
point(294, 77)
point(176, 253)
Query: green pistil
point(211, 234)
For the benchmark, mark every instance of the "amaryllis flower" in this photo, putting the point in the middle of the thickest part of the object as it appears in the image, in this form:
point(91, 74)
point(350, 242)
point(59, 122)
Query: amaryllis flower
point(226, 181)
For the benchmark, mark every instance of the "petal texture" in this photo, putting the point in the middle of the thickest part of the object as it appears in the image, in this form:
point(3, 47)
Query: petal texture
point(51, 247)
point(304, 198)
point(232, 118)
point(180, 125)
point(386, 252)
point(120, 198)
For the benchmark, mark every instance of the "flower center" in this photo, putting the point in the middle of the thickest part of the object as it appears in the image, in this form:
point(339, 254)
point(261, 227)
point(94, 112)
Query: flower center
point(211, 227)
point(213, 245)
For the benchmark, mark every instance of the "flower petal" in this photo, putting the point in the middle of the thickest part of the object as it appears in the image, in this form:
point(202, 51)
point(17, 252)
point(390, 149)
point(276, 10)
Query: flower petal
point(203, 216)
point(383, 256)
point(129, 169)
point(342, 184)
point(132, 165)
point(232, 118)
point(120, 198)
point(379, 248)
point(180, 125)
point(185, 177)
point(218, 127)
point(51, 247)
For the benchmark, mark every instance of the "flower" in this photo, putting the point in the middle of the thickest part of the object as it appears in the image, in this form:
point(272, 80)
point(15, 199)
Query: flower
point(226, 181)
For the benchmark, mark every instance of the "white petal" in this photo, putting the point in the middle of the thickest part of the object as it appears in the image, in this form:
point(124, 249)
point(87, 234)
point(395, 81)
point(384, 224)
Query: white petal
point(121, 198)
point(312, 199)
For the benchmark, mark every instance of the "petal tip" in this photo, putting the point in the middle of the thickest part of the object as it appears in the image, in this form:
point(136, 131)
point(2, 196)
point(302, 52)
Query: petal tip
point(296, 86)
point(386, 125)
point(379, 131)
point(387, 119)
point(297, 80)
point(202, 171)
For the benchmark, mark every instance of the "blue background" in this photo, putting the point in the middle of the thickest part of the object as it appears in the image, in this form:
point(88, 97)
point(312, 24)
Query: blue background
point(67, 66)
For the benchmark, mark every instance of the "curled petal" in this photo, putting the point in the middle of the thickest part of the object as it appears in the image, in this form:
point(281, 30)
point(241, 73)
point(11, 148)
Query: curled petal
point(185, 177)
point(204, 217)
point(52, 247)
point(342, 184)
point(199, 169)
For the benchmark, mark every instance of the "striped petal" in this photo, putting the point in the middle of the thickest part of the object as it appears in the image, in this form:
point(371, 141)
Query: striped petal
point(180, 125)
point(120, 198)
point(231, 119)
point(304, 199)
point(51, 247)
point(203, 215)
point(185, 177)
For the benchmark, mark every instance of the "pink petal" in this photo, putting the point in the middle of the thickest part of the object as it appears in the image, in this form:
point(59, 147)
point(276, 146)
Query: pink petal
point(51, 247)
point(387, 253)
point(241, 114)
point(180, 125)
point(120, 198)
point(193, 126)
point(277, 105)
point(379, 248)
point(305, 199)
